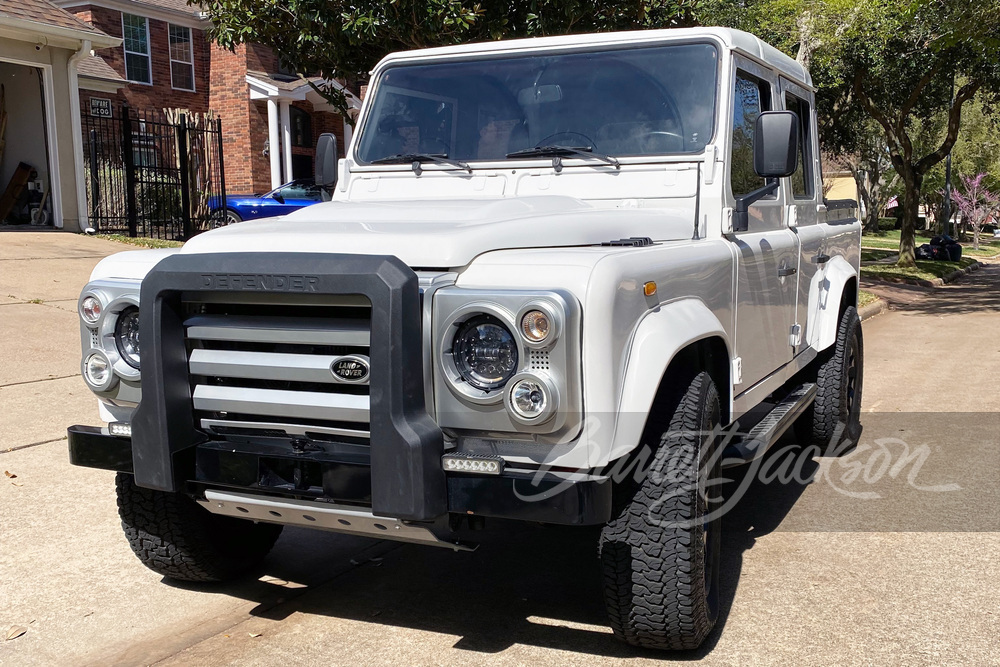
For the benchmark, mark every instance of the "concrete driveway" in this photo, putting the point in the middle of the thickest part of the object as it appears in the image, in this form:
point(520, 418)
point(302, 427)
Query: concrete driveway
point(862, 566)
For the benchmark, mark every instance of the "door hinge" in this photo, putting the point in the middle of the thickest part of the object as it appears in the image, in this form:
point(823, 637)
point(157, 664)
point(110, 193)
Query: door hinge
point(795, 335)
point(738, 370)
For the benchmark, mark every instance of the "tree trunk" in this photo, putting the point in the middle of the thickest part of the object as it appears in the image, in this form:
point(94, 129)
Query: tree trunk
point(911, 206)
point(871, 220)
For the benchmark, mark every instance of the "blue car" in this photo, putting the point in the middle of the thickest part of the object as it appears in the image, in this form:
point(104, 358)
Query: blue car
point(282, 200)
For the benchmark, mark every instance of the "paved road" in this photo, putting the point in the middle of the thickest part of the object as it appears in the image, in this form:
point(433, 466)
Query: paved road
point(814, 573)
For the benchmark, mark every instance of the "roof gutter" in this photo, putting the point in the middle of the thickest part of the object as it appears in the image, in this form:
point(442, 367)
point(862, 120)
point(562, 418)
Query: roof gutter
point(69, 37)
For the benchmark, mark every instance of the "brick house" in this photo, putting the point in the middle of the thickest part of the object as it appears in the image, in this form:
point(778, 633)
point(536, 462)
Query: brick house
point(270, 119)
point(43, 54)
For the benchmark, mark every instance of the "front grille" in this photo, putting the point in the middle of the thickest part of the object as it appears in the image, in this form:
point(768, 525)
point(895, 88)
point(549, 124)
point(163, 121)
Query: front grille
point(265, 369)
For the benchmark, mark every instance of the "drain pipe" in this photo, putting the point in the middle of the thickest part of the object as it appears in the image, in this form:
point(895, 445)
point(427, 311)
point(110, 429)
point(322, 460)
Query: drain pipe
point(77, 124)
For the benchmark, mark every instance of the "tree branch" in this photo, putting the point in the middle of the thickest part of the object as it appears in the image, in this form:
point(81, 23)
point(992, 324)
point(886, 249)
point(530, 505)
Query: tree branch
point(904, 111)
point(883, 120)
point(965, 93)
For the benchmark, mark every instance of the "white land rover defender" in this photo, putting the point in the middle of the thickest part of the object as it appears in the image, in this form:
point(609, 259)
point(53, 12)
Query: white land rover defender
point(550, 272)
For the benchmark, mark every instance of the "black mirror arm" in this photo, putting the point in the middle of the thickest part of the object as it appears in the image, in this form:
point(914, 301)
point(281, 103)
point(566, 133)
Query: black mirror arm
point(741, 218)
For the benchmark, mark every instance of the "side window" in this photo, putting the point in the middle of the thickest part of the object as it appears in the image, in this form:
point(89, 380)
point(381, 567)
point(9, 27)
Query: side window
point(803, 183)
point(752, 96)
point(302, 190)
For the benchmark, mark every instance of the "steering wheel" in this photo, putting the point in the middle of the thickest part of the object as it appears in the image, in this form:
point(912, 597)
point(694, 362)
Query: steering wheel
point(664, 138)
point(588, 142)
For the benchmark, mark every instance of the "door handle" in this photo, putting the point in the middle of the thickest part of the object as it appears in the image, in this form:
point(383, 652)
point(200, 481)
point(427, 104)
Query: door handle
point(821, 258)
point(787, 271)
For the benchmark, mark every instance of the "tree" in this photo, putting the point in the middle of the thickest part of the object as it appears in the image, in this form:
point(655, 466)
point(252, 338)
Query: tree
point(897, 61)
point(871, 167)
point(335, 39)
point(976, 203)
point(976, 150)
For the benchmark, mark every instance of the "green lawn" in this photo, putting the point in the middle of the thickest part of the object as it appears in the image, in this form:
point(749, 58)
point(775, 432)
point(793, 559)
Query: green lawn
point(890, 241)
point(868, 255)
point(990, 249)
point(865, 298)
point(924, 270)
point(141, 241)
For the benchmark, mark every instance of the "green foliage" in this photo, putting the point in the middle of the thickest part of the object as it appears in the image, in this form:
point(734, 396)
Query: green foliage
point(344, 40)
point(894, 62)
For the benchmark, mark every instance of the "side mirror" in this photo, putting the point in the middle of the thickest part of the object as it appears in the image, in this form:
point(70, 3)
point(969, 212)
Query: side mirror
point(776, 144)
point(277, 196)
point(326, 161)
point(775, 155)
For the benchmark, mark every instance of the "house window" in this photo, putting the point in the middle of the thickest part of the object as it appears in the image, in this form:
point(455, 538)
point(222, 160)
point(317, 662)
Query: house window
point(301, 128)
point(181, 58)
point(135, 31)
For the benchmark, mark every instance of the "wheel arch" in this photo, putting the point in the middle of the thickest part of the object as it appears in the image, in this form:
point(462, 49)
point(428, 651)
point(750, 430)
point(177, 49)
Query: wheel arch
point(668, 349)
point(834, 289)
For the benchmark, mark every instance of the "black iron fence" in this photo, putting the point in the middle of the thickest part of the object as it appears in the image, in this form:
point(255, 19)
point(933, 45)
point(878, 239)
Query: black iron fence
point(154, 173)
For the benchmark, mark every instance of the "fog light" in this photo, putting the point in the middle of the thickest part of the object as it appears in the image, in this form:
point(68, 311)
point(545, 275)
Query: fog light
point(121, 429)
point(528, 399)
point(97, 371)
point(484, 465)
point(90, 309)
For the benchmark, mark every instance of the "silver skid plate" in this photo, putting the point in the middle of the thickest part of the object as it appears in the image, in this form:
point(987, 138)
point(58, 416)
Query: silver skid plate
point(338, 518)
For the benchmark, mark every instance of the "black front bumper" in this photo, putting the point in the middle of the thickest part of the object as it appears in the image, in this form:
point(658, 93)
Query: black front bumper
point(520, 495)
point(407, 479)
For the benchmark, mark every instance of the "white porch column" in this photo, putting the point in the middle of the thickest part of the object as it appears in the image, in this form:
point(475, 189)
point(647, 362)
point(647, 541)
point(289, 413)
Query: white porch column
point(273, 142)
point(286, 139)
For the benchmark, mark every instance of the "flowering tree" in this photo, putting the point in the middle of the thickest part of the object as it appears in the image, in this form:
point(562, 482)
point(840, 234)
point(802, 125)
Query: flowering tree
point(976, 203)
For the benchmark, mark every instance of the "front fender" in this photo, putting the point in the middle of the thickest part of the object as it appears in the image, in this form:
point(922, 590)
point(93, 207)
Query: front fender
point(825, 295)
point(658, 338)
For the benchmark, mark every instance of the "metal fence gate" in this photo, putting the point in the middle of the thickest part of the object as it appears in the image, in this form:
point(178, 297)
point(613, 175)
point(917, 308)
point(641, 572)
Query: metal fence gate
point(154, 173)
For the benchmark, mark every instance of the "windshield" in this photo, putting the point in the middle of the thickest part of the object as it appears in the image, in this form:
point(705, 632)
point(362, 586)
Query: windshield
point(623, 102)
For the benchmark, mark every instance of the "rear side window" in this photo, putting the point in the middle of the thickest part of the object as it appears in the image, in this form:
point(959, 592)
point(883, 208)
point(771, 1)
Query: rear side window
point(752, 96)
point(803, 183)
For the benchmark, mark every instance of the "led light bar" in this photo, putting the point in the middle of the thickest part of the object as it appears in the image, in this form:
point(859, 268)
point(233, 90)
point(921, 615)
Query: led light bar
point(473, 463)
point(121, 429)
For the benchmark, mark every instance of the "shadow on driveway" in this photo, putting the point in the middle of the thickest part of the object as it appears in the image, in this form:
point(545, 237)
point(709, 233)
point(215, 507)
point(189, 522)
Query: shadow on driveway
point(976, 292)
point(526, 584)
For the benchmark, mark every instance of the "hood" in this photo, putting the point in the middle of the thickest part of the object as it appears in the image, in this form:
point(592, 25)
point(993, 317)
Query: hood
point(446, 233)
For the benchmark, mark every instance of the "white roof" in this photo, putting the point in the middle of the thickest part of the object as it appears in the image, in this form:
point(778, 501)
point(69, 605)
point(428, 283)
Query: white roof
point(736, 40)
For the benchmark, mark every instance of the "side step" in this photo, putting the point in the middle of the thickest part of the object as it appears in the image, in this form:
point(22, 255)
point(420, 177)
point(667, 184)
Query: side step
point(767, 431)
point(310, 514)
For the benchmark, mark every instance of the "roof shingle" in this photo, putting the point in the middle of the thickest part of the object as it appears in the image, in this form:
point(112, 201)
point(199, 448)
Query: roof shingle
point(44, 12)
point(95, 67)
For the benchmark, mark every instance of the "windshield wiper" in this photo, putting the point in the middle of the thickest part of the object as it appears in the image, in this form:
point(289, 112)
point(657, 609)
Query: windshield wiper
point(559, 151)
point(417, 158)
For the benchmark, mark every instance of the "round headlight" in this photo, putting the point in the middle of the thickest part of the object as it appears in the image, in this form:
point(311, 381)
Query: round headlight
point(127, 335)
point(97, 370)
point(90, 309)
point(535, 326)
point(485, 352)
point(528, 399)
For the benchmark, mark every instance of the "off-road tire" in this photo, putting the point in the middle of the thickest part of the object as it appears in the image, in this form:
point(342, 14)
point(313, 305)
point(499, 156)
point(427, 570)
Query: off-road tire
point(835, 415)
point(654, 553)
point(175, 537)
